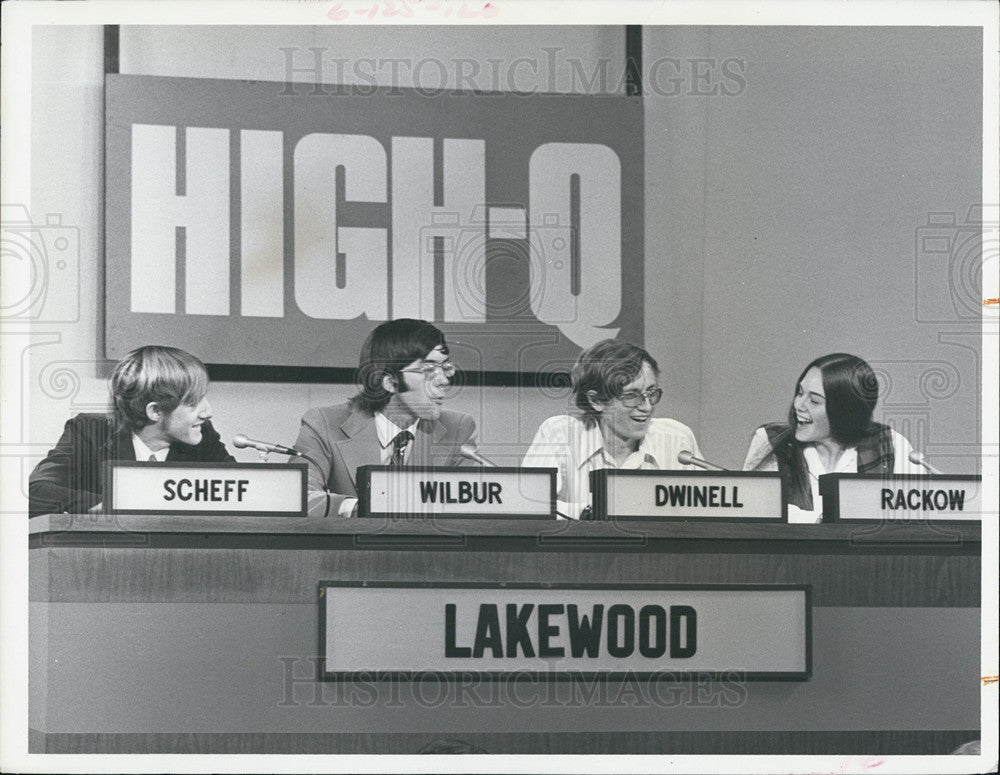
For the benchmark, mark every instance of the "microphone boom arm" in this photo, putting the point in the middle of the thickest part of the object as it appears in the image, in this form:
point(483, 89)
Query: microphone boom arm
point(240, 441)
point(919, 460)
point(686, 458)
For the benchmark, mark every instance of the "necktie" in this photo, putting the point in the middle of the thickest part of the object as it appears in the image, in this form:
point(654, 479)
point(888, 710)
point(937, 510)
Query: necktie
point(399, 447)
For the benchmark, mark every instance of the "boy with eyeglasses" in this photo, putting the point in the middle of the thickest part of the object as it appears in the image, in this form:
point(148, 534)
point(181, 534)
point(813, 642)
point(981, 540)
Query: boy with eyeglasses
point(397, 417)
point(615, 389)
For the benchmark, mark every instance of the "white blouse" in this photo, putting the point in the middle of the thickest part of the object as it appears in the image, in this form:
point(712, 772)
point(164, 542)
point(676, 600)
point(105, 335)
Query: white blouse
point(760, 448)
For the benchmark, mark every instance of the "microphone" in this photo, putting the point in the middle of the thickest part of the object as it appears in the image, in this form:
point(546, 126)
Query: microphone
point(469, 451)
point(240, 441)
point(685, 457)
point(918, 460)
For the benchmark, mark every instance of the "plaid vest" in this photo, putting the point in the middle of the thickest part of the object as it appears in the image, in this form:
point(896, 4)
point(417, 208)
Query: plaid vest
point(875, 456)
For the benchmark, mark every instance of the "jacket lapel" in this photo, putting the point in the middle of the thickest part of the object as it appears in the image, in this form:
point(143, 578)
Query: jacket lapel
point(429, 433)
point(361, 446)
point(119, 446)
point(180, 452)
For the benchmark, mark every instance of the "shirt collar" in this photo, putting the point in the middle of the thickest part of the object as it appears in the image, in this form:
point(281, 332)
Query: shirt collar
point(142, 452)
point(387, 430)
point(646, 448)
point(848, 463)
point(590, 443)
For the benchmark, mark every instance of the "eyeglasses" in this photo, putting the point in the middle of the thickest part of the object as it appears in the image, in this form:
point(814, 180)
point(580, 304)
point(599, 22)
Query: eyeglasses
point(430, 369)
point(633, 398)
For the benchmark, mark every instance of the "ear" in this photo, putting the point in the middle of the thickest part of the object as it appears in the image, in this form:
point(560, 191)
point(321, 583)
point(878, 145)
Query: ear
point(153, 411)
point(389, 383)
point(594, 401)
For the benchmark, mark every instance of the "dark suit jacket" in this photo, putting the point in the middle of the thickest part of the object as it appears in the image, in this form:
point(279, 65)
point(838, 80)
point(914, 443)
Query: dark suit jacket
point(70, 478)
point(340, 439)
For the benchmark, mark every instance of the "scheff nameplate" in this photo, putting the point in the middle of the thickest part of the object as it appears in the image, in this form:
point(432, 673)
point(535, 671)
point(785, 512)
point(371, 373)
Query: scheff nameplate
point(901, 498)
point(724, 496)
point(235, 489)
point(456, 491)
point(556, 631)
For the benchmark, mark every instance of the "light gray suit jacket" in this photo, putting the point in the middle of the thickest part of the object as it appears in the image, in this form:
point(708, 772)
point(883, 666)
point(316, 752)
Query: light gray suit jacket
point(340, 438)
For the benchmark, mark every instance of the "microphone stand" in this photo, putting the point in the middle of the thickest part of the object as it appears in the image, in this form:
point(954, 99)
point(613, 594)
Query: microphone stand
point(263, 453)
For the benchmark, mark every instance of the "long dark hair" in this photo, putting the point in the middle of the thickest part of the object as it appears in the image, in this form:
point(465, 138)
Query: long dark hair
point(392, 346)
point(851, 389)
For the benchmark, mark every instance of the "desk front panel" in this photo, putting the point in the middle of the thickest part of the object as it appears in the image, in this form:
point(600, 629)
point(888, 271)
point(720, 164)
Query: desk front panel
point(191, 641)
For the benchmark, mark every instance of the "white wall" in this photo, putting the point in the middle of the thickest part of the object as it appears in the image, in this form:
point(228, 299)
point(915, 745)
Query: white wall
point(781, 223)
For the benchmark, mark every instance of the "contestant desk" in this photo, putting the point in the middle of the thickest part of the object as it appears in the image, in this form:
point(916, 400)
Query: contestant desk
point(192, 634)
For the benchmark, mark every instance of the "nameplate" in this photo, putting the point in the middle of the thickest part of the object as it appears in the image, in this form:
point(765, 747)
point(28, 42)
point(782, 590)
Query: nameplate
point(557, 631)
point(235, 489)
point(502, 492)
point(723, 496)
point(901, 498)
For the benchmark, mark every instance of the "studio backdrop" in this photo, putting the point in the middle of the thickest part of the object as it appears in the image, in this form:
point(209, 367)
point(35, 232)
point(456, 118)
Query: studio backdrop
point(266, 223)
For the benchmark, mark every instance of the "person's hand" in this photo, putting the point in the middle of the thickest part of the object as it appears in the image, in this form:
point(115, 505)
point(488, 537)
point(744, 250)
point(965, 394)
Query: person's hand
point(96, 509)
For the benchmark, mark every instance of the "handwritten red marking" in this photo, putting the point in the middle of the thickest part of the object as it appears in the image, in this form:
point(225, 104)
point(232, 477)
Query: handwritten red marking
point(337, 13)
point(989, 680)
point(991, 301)
point(390, 10)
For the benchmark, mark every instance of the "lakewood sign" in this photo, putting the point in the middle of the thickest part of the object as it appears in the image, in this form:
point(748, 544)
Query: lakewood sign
point(414, 629)
point(277, 228)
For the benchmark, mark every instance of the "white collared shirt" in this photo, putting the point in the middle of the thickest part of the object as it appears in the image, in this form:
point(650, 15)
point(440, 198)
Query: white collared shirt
point(142, 452)
point(574, 450)
point(387, 430)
